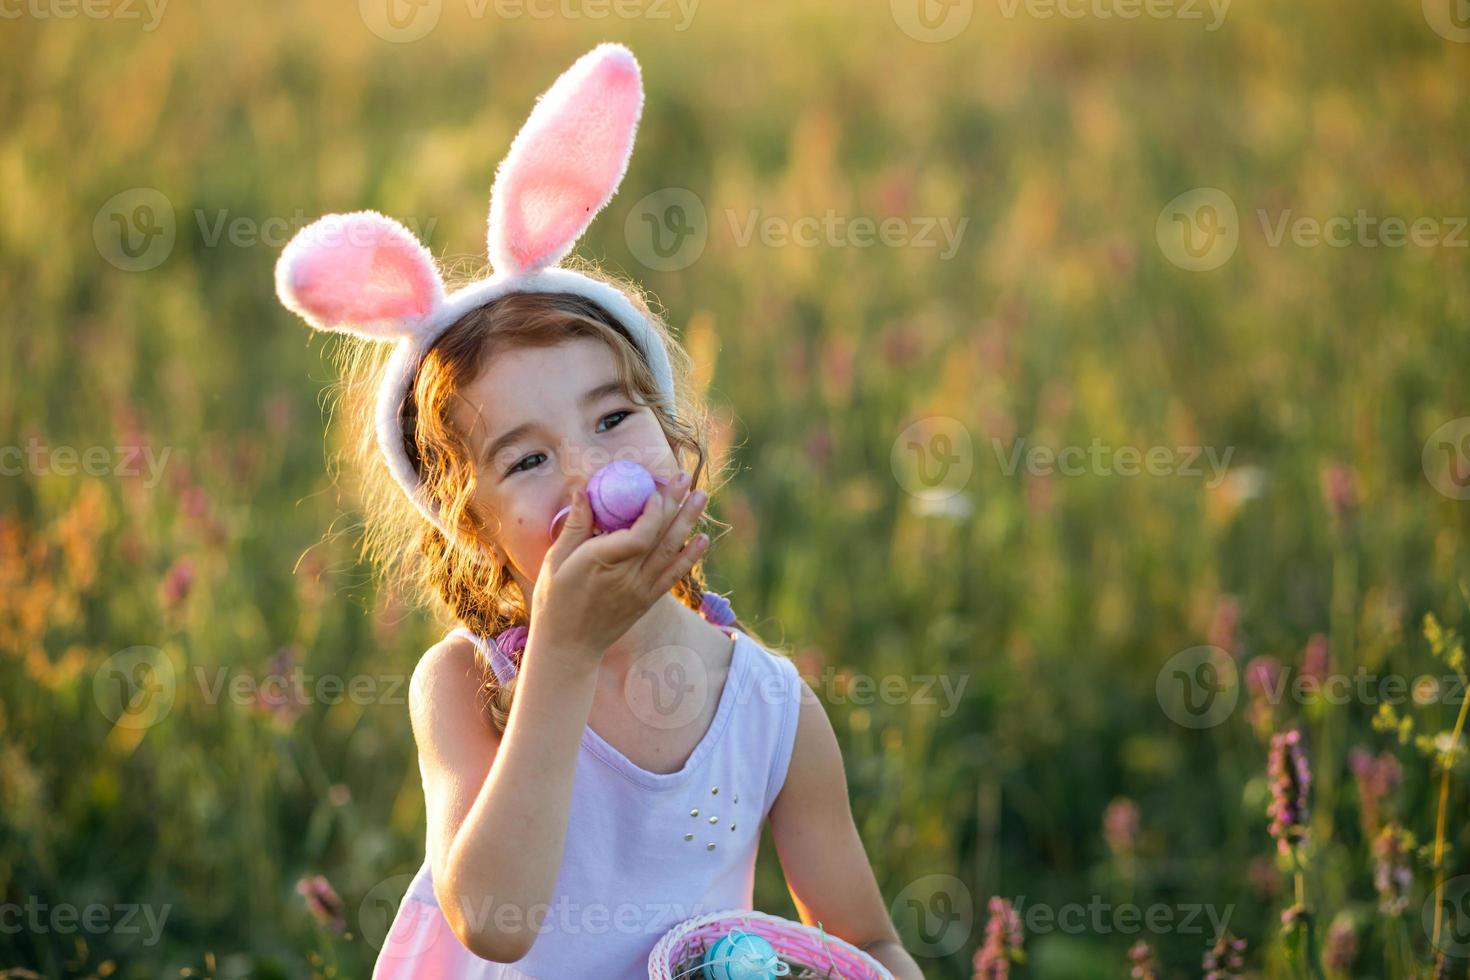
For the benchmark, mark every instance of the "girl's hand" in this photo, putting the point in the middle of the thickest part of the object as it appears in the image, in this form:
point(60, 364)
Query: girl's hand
point(591, 590)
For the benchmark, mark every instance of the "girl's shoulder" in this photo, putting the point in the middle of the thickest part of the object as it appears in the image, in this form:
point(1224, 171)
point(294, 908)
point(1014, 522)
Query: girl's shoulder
point(454, 654)
point(450, 673)
point(457, 650)
point(463, 647)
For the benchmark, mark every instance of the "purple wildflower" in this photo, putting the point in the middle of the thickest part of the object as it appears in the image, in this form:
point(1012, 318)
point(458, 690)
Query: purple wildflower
point(1342, 945)
point(1225, 959)
point(1145, 966)
point(1339, 489)
point(1316, 658)
point(1225, 623)
point(1392, 876)
point(1290, 780)
point(1263, 683)
point(1293, 916)
point(1377, 777)
point(322, 900)
point(1002, 943)
point(1263, 677)
point(1120, 826)
point(278, 694)
point(177, 582)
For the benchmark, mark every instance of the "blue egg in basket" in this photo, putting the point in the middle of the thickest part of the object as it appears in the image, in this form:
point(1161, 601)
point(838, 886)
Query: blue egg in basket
point(743, 956)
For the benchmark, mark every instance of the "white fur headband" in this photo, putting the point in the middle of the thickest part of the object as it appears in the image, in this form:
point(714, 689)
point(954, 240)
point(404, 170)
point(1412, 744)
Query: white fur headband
point(366, 274)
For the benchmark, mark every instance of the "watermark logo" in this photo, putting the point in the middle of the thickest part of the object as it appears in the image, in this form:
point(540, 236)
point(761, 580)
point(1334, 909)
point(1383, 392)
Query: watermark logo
point(1450, 19)
point(1450, 907)
point(935, 913)
point(833, 230)
point(932, 21)
point(1363, 230)
point(933, 457)
point(667, 687)
point(842, 686)
point(1199, 230)
point(135, 229)
point(668, 229)
point(135, 688)
point(1099, 917)
point(37, 917)
point(400, 21)
point(1102, 460)
point(1181, 10)
point(1198, 687)
point(1446, 459)
point(288, 687)
point(406, 21)
point(394, 935)
point(36, 458)
point(152, 10)
point(274, 231)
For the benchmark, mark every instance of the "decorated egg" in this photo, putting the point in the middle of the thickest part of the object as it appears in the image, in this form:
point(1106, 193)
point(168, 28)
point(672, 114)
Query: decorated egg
point(743, 956)
point(617, 493)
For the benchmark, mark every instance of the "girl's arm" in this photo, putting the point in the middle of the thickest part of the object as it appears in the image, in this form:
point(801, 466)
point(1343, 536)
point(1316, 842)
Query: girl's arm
point(822, 856)
point(497, 808)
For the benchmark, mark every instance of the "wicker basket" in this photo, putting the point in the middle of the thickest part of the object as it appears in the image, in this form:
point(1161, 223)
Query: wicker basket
point(801, 946)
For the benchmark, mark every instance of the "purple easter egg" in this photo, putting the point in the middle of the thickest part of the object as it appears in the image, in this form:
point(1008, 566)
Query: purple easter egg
point(618, 492)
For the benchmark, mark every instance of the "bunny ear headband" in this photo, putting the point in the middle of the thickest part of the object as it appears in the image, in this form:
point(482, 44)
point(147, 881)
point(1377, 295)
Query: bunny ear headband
point(366, 274)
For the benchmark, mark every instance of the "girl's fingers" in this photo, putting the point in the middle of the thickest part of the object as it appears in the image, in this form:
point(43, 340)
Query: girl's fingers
point(681, 564)
point(673, 538)
point(578, 528)
point(635, 541)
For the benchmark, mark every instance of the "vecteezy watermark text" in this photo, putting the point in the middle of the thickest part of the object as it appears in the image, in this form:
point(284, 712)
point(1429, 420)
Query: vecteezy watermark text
point(1363, 229)
point(840, 231)
point(1101, 460)
point(36, 916)
point(1184, 10)
point(38, 459)
point(1099, 918)
point(295, 686)
point(1200, 229)
point(406, 21)
point(90, 9)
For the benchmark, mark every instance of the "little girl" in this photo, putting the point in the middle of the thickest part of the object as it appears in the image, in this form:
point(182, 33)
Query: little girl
point(600, 741)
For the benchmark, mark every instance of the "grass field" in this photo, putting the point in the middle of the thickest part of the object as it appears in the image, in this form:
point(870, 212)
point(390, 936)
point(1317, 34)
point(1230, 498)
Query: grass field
point(1098, 379)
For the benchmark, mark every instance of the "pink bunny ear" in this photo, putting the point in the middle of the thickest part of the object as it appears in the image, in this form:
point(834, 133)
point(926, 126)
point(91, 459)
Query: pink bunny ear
point(359, 273)
point(567, 160)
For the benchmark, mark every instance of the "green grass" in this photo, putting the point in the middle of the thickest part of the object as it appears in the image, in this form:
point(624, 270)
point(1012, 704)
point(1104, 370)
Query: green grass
point(1058, 320)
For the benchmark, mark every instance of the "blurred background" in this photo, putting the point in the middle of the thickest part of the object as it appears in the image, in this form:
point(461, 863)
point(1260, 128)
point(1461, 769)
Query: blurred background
point(1094, 375)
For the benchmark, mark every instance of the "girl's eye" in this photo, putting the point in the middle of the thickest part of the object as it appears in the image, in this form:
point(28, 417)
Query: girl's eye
point(619, 415)
point(619, 418)
point(516, 467)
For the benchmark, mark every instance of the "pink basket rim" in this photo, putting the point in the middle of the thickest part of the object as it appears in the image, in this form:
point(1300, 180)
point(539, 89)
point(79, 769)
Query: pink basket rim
point(844, 955)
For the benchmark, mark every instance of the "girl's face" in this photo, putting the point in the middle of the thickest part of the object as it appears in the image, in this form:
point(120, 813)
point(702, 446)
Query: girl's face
point(540, 421)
